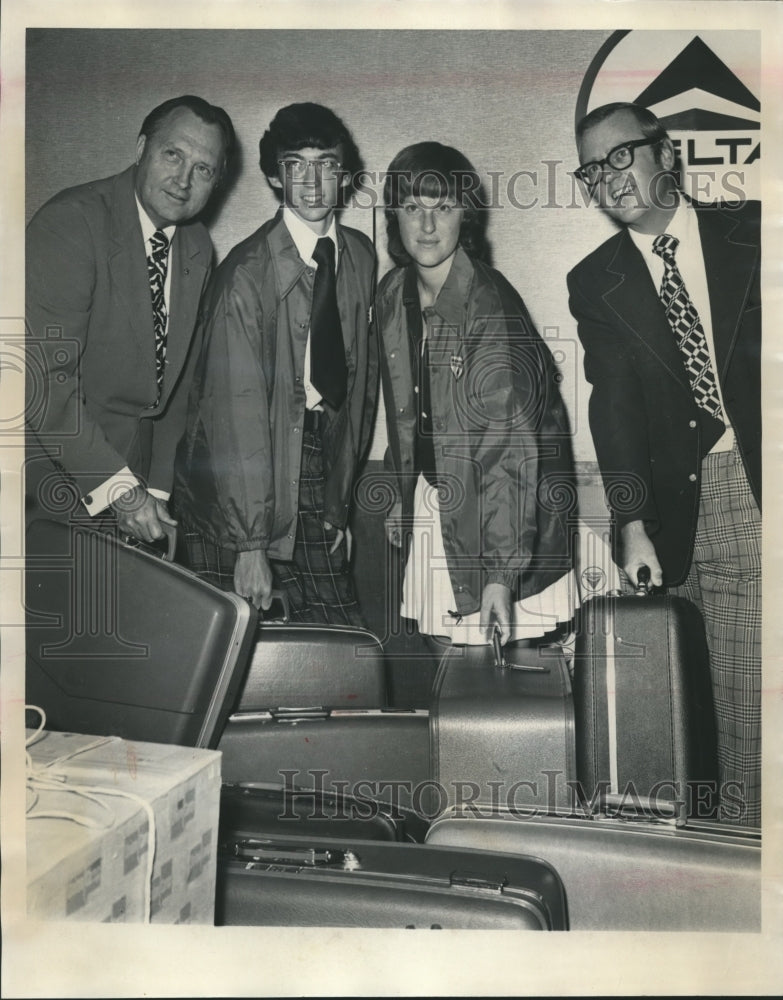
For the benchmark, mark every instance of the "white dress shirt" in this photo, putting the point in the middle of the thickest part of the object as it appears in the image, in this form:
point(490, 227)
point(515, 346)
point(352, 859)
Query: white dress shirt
point(124, 480)
point(304, 241)
point(684, 225)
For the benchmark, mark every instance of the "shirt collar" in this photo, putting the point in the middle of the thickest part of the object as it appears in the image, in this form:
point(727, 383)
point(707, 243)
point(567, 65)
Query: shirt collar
point(148, 227)
point(681, 226)
point(450, 303)
point(303, 236)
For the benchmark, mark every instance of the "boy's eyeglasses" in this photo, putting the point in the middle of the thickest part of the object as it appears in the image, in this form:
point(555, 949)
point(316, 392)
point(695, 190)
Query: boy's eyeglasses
point(619, 158)
point(296, 166)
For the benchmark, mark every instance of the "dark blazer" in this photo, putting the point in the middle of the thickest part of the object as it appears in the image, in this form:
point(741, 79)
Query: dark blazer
point(91, 347)
point(649, 434)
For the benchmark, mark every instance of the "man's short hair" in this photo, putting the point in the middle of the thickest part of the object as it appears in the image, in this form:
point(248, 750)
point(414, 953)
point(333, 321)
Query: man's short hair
point(210, 114)
point(432, 170)
point(650, 126)
point(298, 126)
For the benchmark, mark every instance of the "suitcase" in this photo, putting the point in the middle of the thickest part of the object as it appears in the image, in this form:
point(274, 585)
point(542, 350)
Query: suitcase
point(379, 754)
point(361, 883)
point(643, 701)
point(121, 642)
point(262, 810)
point(628, 873)
point(503, 725)
point(323, 666)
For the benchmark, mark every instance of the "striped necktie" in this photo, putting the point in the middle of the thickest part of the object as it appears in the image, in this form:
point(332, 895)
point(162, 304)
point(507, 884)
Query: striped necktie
point(686, 327)
point(157, 264)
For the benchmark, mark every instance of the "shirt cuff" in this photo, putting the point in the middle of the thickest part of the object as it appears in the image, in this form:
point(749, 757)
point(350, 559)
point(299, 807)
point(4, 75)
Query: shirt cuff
point(109, 491)
point(160, 494)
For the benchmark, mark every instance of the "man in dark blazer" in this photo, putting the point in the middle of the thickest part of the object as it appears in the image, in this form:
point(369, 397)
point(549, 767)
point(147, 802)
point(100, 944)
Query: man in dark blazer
point(111, 328)
point(669, 315)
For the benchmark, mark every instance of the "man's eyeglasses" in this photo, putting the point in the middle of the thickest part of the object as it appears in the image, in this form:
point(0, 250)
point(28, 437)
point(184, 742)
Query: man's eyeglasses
point(296, 166)
point(619, 158)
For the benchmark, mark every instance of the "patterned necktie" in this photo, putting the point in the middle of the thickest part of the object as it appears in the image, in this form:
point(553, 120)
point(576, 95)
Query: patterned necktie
point(328, 372)
point(157, 264)
point(686, 327)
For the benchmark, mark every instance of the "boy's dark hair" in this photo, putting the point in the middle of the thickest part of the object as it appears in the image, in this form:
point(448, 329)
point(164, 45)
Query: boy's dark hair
point(298, 126)
point(210, 114)
point(432, 170)
point(650, 126)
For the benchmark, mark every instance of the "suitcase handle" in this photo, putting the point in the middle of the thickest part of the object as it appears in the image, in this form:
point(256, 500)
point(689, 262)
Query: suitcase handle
point(503, 664)
point(278, 597)
point(268, 852)
point(643, 581)
point(156, 548)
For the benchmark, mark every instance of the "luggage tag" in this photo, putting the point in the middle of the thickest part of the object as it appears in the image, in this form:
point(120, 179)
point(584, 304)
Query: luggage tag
point(503, 664)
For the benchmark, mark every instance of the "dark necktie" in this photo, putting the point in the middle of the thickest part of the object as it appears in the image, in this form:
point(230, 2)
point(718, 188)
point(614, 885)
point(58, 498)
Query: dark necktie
point(157, 264)
point(328, 372)
point(686, 327)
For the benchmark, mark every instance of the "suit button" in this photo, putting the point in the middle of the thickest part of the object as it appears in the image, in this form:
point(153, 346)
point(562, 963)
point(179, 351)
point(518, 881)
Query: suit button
point(393, 355)
point(402, 409)
point(692, 423)
point(692, 477)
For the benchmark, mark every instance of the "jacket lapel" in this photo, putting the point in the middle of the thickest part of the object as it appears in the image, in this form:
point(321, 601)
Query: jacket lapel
point(729, 259)
point(631, 294)
point(189, 268)
point(127, 264)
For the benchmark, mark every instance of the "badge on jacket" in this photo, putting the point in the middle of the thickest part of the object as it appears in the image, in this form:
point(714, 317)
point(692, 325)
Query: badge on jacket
point(457, 365)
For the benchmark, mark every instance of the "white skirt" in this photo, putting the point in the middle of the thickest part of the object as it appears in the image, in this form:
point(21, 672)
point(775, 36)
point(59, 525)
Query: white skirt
point(428, 597)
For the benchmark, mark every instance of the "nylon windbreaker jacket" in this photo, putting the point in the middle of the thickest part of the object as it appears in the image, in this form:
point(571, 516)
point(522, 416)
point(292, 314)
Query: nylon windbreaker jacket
point(237, 475)
point(500, 430)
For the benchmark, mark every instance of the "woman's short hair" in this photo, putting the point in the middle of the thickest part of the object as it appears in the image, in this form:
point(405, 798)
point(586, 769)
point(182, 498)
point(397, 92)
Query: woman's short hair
point(432, 170)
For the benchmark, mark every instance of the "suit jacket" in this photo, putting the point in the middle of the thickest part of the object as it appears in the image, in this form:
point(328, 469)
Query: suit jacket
point(92, 389)
point(649, 434)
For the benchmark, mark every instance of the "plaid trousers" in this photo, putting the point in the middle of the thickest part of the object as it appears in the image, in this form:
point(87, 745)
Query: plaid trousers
point(724, 582)
point(318, 584)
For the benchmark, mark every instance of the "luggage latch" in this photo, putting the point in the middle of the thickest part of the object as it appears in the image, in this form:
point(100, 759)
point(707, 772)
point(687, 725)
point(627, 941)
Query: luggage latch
point(471, 880)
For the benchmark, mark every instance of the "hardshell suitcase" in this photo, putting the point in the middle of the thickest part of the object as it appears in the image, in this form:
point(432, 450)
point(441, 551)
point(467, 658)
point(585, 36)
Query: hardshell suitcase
point(643, 700)
point(121, 642)
point(263, 810)
point(314, 666)
point(503, 725)
point(353, 883)
point(628, 873)
point(371, 753)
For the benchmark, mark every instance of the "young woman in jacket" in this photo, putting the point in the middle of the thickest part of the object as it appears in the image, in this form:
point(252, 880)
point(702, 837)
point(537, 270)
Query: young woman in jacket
point(479, 442)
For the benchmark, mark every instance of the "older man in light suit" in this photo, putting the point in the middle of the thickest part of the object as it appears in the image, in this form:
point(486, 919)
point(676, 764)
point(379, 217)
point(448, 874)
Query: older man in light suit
point(114, 275)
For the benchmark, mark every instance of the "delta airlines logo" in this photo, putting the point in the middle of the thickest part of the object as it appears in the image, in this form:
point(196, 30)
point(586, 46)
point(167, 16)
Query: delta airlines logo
point(704, 87)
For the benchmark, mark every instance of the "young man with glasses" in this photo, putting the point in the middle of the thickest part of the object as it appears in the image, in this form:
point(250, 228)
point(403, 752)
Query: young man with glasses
point(669, 314)
point(286, 386)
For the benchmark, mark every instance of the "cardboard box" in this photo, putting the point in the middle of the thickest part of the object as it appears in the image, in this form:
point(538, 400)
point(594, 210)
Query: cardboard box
point(95, 865)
